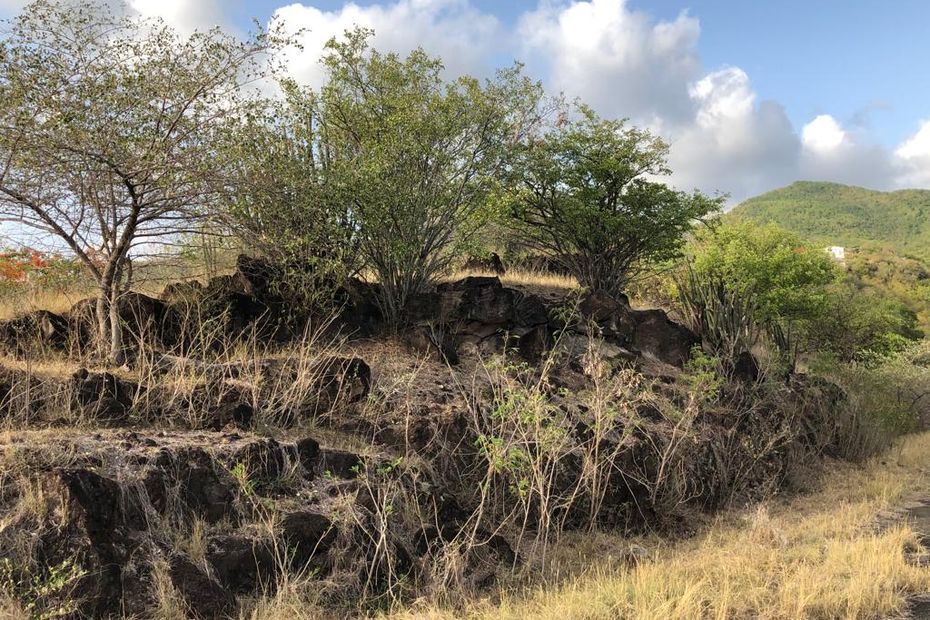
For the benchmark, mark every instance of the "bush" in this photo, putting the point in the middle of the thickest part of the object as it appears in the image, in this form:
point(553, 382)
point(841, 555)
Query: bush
point(584, 197)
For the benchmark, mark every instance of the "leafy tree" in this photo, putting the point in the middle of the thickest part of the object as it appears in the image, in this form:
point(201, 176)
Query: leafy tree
point(415, 156)
point(108, 131)
point(859, 323)
point(585, 196)
point(287, 203)
point(787, 277)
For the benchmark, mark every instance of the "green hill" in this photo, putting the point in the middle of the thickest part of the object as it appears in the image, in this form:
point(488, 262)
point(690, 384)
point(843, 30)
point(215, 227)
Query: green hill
point(834, 214)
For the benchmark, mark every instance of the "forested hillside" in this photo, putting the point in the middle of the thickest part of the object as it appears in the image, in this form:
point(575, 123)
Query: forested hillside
point(835, 214)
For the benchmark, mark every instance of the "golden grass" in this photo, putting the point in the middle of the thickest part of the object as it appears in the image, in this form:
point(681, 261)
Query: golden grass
point(532, 279)
point(816, 556)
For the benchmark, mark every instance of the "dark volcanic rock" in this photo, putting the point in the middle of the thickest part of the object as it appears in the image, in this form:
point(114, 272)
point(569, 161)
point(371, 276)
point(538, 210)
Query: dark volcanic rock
point(611, 314)
point(143, 318)
point(205, 597)
point(103, 397)
point(30, 333)
point(340, 463)
point(202, 485)
point(659, 336)
point(310, 534)
point(242, 564)
point(90, 529)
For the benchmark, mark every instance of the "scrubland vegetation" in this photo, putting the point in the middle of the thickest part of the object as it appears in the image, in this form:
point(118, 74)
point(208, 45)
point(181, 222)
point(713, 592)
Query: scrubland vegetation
point(417, 346)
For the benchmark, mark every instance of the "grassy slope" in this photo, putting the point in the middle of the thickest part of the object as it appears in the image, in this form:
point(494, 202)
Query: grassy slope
point(834, 214)
point(814, 556)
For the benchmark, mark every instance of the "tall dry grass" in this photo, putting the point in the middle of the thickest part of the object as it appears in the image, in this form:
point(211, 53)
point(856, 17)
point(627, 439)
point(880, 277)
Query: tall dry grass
point(816, 556)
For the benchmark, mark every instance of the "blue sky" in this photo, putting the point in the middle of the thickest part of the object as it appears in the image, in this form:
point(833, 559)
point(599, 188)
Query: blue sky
point(751, 94)
point(862, 61)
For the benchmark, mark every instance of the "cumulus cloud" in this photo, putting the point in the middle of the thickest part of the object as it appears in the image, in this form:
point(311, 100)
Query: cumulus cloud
point(615, 59)
point(452, 29)
point(913, 157)
point(184, 15)
point(732, 143)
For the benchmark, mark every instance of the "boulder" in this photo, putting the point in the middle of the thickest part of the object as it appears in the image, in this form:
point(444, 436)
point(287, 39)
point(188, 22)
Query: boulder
point(340, 463)
point(666, 340)
point(612, 315)
point(33, 332)
point(433, 342)
point(102, 397)
point(89, 526)
point(205, 597)
point(203, 486)
point(242, 564)
point(142, 317)
point(310, 534)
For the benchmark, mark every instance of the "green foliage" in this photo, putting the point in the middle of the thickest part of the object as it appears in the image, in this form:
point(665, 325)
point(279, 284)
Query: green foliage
point(725, 318)
point(414, 156)
point(287, 202)
point(786, 276)
point(47, 595)
point(109, 130)
point(889, 394)
point(702, 375)
point(585, 197)
point(832, 214)
point(861, 323)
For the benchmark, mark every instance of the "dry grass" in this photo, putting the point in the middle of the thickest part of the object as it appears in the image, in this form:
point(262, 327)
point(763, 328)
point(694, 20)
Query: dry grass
point(816, 556)
point(530, 279)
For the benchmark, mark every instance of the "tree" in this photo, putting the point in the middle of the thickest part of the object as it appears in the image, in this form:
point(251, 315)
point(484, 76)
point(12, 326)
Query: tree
point(287, 202)
point(584, 197)
point(787, 277)
point(108, 128)
point(417, 156)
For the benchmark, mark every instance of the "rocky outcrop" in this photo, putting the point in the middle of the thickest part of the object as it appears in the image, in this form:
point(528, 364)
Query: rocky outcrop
point(36, 331)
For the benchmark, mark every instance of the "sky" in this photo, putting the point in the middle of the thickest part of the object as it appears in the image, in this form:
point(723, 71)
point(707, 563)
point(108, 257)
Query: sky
point(751, 95)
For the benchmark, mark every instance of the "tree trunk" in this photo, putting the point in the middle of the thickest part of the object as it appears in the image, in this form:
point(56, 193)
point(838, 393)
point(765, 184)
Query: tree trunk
point(117, 354)
point(103, 317)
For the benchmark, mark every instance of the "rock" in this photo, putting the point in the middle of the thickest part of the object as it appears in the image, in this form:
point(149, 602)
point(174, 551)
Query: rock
point(534, 344)
point(529, 310)
point(203, 486)
point(186, 292)
point(103, 397)
point(434, 342)
point(142, 316)
point(205, 597)
point(340, 463)
point(256, 276)
point(89, 527)
point(33, 332)
point(232, 410)
point(341, 380)
point(263, 459)
point(310, 535)
point(611, 314)
point(664, 339)
point(476, 298)
point(242, 564)
point(308, 451)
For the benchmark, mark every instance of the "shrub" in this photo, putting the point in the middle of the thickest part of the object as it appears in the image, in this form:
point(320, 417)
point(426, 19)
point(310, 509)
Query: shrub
point(584, 197)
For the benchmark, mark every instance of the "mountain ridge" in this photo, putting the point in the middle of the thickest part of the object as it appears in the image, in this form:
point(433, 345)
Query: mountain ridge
point(846, 215)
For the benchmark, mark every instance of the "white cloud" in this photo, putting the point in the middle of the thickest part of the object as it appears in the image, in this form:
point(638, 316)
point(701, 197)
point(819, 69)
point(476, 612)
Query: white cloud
point(184, 15)
point(452, 29)
point(913, 156)
point(823, 135)
point(732, 143)
point(615, 59)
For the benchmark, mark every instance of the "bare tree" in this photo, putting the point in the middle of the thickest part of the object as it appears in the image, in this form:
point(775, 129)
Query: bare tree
point(108, 127)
